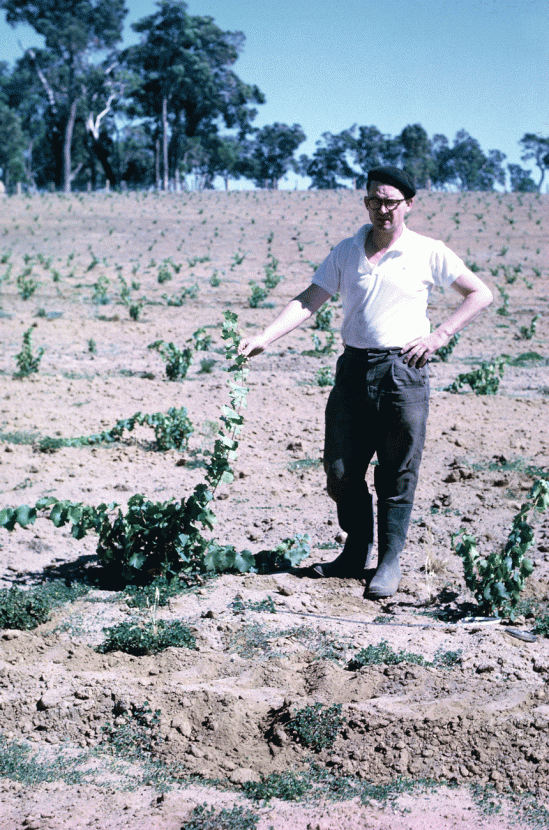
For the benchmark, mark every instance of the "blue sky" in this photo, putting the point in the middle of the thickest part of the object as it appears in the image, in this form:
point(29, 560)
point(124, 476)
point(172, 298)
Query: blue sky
point(481, 65)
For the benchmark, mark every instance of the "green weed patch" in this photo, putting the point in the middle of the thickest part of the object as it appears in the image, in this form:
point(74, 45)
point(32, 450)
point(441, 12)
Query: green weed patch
point(150, 638)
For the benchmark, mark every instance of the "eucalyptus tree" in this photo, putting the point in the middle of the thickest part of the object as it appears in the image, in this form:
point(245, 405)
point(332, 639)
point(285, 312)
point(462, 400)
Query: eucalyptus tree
point(416, 154)
point(184, 81)
point(72, 31)
point(272, 154)
point(536, 148)
point(328, 167)
point(521, 180)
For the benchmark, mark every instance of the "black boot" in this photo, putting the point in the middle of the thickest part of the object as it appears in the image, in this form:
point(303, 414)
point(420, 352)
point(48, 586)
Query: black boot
point(392, 527)
point(357, 552)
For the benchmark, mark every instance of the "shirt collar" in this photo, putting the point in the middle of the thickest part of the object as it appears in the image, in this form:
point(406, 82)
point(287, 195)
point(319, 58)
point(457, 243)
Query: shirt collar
point(359, 238)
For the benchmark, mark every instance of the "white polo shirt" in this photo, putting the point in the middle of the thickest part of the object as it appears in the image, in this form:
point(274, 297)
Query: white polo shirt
point(385, 305)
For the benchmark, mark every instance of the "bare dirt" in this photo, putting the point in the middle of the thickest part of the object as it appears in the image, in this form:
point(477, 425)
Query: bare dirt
point(267, 645)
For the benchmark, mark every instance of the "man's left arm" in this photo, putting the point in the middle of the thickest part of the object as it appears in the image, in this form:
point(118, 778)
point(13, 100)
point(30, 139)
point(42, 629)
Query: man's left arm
point(476, 297)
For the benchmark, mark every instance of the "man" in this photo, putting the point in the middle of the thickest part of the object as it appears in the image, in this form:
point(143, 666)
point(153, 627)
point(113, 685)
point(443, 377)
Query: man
point(380, 399)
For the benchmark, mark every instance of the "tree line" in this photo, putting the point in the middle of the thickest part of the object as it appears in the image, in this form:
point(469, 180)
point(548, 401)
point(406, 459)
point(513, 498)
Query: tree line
point(81, 112)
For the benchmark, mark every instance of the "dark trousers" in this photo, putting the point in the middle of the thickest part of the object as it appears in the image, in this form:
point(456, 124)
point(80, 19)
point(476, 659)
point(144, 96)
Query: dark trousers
point(378, 405)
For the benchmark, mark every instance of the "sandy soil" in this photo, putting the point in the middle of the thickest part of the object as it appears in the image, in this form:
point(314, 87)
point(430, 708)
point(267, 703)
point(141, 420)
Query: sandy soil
point(481, 724)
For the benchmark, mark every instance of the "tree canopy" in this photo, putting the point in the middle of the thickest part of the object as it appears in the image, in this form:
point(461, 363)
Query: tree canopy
point(172, 106)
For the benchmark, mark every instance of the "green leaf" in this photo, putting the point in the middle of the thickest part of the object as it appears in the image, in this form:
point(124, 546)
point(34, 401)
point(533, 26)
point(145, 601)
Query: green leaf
point(25, 515)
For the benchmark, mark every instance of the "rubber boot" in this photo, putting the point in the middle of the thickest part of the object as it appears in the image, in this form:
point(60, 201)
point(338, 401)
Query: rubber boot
point(392, 527)
point(357, 552)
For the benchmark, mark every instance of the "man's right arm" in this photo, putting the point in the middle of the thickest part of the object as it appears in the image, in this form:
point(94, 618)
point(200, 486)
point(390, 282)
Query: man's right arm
point(293, 315)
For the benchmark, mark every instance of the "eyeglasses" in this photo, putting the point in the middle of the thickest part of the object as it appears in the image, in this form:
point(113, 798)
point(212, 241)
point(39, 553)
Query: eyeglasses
point(390, 204)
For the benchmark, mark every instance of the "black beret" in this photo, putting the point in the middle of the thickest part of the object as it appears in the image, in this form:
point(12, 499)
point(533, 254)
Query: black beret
point(396, 177)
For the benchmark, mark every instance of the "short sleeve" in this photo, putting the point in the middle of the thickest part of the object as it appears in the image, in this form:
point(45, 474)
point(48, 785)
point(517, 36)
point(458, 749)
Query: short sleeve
point(446, 266)
point(328, 274)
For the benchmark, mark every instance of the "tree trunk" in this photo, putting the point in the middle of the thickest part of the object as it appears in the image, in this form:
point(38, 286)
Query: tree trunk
point(67, 144)
point(157, 163)
point(165, 170)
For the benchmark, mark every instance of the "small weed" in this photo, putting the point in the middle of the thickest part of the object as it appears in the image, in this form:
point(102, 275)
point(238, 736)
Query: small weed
point(26, 609)
point(304, 464)
point(287, 786)
point(528, 359)
point(135, 307)
point(158, 593)
point(171, 430)
point(316, 726)
point(265, 605)
point(150, 638)
point(197, 259)
point(134, 732)
point(542, 625)
point(206, 365)
point(92, 346)
point(236, 818)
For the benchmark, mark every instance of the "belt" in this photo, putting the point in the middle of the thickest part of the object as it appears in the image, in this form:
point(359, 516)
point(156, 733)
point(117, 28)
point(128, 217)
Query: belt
point(355, 350)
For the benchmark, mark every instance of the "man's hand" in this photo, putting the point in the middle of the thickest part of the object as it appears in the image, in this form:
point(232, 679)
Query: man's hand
point(252, 346)
point(419, 351)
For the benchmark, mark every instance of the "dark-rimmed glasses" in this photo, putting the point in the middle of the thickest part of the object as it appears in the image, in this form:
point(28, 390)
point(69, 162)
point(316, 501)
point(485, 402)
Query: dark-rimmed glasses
point(390, 204)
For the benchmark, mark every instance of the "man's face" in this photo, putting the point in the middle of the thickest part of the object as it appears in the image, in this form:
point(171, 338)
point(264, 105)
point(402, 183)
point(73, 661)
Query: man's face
point(384, 218)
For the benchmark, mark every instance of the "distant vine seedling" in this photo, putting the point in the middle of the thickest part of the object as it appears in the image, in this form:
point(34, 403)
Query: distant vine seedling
point(27, 362)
